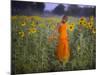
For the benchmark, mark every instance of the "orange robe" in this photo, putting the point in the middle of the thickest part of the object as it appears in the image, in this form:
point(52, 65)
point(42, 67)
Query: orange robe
point(62, 50)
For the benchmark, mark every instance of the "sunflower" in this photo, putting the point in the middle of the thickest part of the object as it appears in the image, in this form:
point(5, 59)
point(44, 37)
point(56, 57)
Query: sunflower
point(90, 25)
point(94, 30)
point(82, 21)
point(21, 34)
point(23, 24)
point(32, 30)
point(85, 24)
point(71, 27)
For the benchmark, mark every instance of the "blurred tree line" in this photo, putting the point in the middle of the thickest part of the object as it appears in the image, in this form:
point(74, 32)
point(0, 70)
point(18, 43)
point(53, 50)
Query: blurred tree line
point(75, 10)
point(26, 8)
point(31, 8)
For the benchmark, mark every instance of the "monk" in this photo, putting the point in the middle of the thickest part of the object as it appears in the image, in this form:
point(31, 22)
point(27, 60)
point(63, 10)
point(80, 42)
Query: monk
point(62, 51)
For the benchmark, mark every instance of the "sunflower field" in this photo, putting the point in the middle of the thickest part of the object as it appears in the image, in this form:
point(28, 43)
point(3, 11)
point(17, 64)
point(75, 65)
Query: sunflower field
point(32, 52)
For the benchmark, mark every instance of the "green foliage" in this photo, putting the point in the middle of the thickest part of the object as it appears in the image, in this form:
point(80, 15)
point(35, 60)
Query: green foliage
point(33, 53)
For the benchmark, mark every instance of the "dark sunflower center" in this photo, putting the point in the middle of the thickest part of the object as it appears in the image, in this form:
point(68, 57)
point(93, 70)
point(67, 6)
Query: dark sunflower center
point(70, 27)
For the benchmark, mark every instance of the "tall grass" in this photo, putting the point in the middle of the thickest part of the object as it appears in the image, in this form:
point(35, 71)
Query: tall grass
point(32, 53)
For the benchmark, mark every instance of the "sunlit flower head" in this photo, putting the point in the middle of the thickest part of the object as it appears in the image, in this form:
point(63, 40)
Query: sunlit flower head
point(94, 30)
point(85, 24)
point(80, 22)
point(82, 19)
point(23, 24)
point(90, 25)
point(32, 30)
point(71, 27)
point(21, 34)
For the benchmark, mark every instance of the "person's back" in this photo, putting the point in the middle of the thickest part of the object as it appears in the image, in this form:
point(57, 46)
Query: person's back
point(62, 50)
point(62, 31)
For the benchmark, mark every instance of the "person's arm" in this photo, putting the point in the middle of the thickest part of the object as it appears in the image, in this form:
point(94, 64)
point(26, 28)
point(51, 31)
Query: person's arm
point(51, 37)
point(55, 30)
